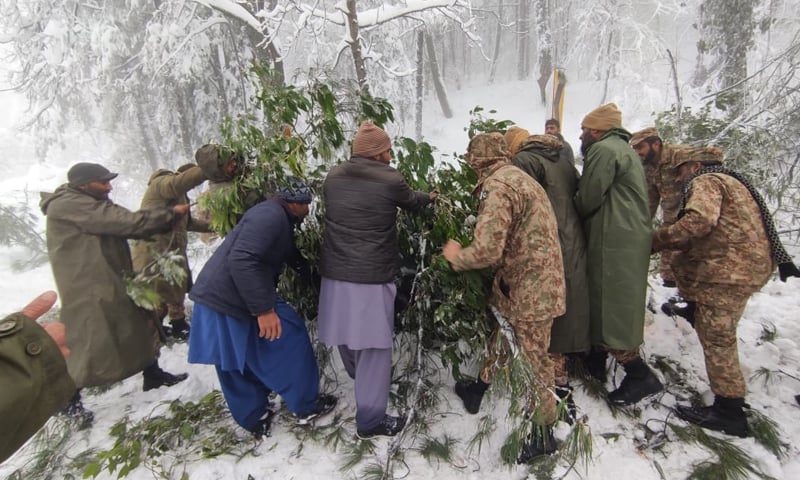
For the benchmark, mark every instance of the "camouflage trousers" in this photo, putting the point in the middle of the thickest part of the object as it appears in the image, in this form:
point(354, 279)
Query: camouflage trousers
point(665, 264)
point(533, 340)
point(719, 308)
point(176, 311)
point(560, 372)
point(624, 356)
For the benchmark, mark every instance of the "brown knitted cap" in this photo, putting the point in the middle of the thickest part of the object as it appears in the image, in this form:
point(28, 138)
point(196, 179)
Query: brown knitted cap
point(642, 135)
point(604, 117)
point(514, 137)
point(697, 154)
point(370, 140)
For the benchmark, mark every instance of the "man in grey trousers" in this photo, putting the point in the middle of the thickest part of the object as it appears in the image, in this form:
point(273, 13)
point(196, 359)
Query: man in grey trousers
point(358, 263)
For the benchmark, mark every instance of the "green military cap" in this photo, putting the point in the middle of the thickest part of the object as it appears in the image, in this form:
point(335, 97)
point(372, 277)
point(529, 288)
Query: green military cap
point(697, 154)
point(642, 135)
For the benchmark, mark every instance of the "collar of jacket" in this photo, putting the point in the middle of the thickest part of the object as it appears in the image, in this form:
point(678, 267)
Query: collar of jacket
point(486, 173)
point(292, 219)
point(159, 173)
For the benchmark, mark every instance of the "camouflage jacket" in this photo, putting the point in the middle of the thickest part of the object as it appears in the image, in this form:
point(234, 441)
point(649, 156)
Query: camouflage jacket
point(517, 234)
point(722, 234)
point(663, 186)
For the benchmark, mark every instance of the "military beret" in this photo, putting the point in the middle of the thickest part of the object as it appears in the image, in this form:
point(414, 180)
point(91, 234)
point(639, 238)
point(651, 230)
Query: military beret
point(642, 135)
point(697, 154)
point(84, 172)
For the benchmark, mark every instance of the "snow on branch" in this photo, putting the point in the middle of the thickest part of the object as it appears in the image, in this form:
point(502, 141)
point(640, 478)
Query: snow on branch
point(233, 9)
point(383, 14)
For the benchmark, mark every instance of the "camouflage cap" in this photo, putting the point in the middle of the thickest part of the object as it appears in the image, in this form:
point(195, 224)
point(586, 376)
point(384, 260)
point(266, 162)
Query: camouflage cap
point(697, 154)
point(642, 135)
point(486, 149)
point(549, 142)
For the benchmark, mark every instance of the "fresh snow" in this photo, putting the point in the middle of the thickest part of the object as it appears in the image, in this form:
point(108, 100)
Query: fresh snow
point(278, 456)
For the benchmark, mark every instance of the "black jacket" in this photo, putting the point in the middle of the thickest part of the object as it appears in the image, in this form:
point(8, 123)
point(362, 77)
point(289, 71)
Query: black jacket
point(360, 240)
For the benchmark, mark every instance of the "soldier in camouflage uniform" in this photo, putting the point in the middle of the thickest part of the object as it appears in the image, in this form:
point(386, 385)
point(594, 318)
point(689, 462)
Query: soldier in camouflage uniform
point(662, 185)
point(724, 257)
point(516, 233)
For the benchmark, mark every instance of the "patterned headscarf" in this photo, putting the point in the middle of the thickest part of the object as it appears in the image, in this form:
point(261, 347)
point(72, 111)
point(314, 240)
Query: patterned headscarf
point(295, 191)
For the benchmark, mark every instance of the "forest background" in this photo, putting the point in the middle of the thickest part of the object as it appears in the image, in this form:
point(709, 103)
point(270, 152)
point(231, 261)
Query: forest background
point(138, 85)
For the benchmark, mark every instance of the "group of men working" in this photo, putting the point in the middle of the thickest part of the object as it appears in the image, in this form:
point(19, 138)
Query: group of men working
point(570, 254)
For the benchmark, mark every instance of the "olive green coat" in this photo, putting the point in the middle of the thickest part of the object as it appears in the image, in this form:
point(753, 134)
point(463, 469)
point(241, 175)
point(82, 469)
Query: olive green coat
point(612, 202)
point(110, 338)
point(34, 378)
point(167, 189)
point(559, 179)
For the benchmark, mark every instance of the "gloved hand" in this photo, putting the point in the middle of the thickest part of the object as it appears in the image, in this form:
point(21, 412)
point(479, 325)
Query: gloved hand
point(786, 270)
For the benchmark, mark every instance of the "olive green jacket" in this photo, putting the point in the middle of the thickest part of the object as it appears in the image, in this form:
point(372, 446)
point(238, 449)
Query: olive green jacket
point(109, 336)
point(34, 378)
point(167, 189)
point(559, 179)
point(612, 202)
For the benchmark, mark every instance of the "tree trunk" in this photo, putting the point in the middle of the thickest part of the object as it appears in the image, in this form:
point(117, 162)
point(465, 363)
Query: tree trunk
point(438, 85)
point(420, 77)
point(355, 46)
point(497, 38)
point(524, 39)
point(545, 44)
point(148, 142)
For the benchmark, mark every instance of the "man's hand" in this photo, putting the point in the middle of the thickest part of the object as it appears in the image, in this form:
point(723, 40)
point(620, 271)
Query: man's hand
point(38, 307)
point(434, 195)
point(451, 250)
point(181, 209)
point(269, 325)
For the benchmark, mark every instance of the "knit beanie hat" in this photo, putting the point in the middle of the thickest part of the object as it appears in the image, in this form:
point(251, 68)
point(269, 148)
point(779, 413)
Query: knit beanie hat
point(642, 135)
point(370, 141)
point(604, 117)
point(514, 137)
point(295, 191)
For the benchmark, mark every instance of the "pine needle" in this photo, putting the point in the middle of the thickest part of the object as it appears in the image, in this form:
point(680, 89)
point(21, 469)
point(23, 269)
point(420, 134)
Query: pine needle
point(438, 449)
point(766, 432)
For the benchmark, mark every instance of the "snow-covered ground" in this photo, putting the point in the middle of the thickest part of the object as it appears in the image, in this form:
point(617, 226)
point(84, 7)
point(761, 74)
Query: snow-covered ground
point(617, 441)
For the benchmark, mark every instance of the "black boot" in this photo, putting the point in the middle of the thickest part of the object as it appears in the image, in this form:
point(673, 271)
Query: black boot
point(471, 393)
point(179, 328)
point(680, 308)
point(154, 377)
point(725, 415)
point(639, 382)
point(77, 413)
point(264, 426)
point(540, 442)
point(595, 364)
point(568, 411)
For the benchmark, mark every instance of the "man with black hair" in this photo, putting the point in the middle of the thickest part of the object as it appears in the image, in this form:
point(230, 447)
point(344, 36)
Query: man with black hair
point(553, 127)
point(110, 337)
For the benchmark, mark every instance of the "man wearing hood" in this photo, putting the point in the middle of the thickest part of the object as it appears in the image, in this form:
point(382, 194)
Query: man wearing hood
point(612, 202)
point(110, 337)
point(166, 189)
point(539, 156)
point(516, 234)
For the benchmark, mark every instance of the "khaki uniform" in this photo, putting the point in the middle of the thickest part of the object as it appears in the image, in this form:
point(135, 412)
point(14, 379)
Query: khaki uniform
point(167, 189)
point(664, 188)
point(517, 234)
point(35, 380)
point(724, 258)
